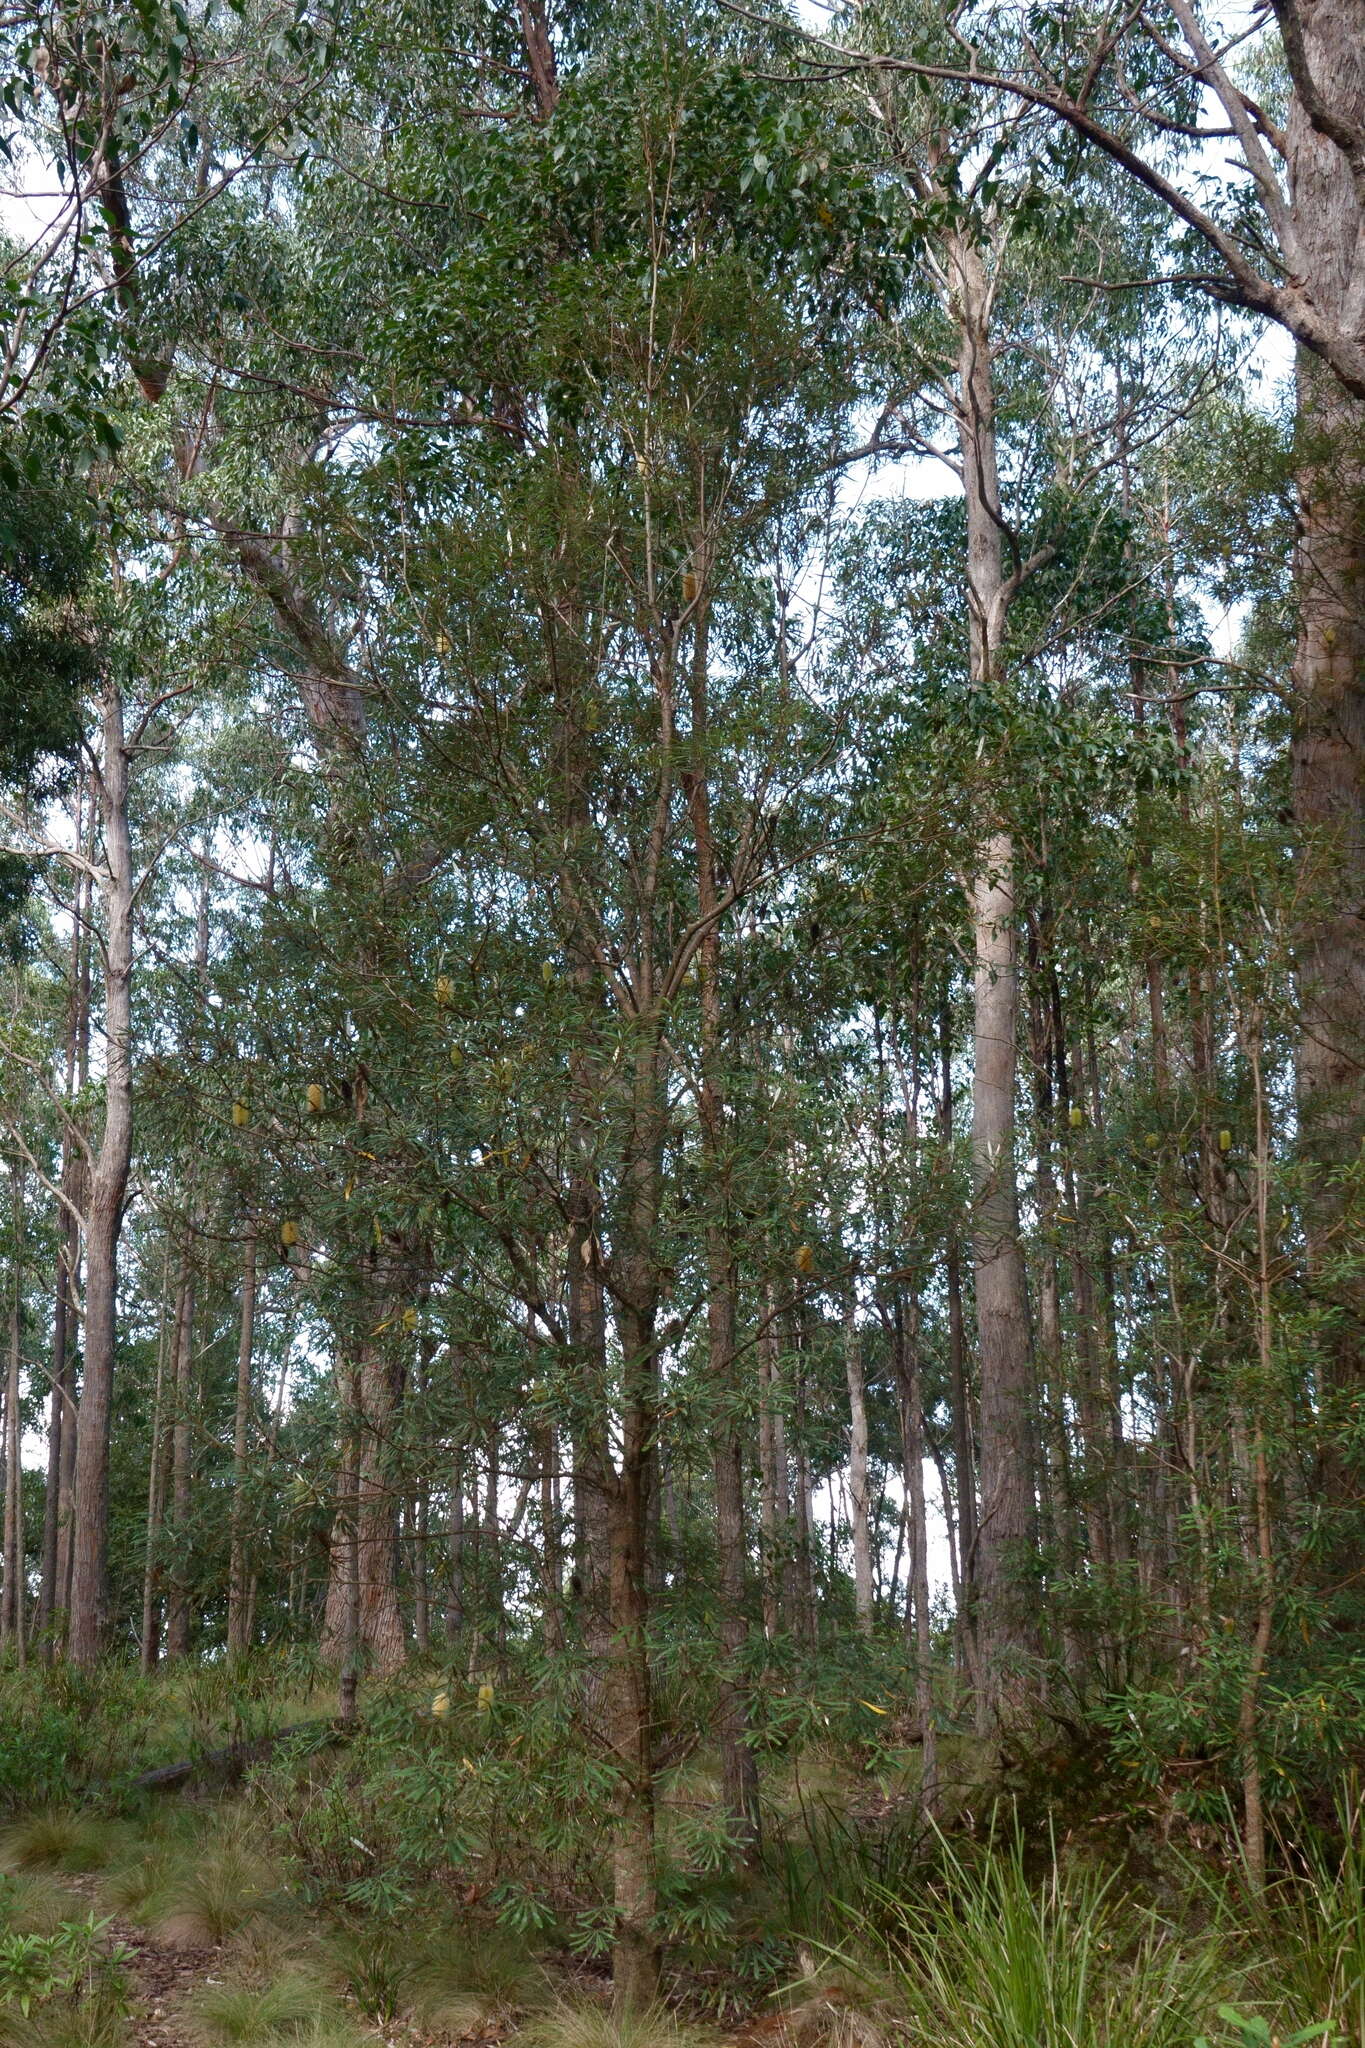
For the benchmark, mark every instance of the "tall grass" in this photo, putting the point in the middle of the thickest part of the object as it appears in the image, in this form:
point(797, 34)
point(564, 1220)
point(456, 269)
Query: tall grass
point(1313, 1929)
point(990, 1956)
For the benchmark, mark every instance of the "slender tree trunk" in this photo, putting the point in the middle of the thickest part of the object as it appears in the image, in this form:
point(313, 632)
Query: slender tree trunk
point(12, 1596)
point(628, 1708)
point(739, 1769)
point(552, 1594)
point(919, 1632)
point(772, 1463)
point(104, 1215)
point(238, 1575)
point(1006, 1580)
point(455, 1584)
point(61, 1428)
point(150, 1639)
point(804, 1562)
point(857, 1466)
point(182, 1401)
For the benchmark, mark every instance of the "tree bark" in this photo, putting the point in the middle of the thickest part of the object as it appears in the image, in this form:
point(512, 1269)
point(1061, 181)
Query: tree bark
point(150, 1639)
point(919, 1630)
point(104, 1215)
point(1006, 1582)
point(1329, 711)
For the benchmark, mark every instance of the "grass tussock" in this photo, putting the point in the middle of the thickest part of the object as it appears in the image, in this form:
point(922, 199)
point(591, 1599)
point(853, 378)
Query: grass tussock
point(57, 1839)
point(34, 1903)
point(199, 1886)
point(589, 2024)
point(996, 1958)
point(453, 1978)
point(92, 2023)
point(241, 2015)
point(209, 1902)
point(472, 1975)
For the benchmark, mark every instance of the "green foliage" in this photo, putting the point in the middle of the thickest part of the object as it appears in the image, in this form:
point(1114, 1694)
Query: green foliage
point(991, 1954)
point(69, 1732)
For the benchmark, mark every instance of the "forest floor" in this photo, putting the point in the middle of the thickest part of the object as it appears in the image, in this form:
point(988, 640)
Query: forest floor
point(161, 1974)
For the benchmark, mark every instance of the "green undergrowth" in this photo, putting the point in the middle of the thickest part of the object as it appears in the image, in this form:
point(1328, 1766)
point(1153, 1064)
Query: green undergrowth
point(444, 1874)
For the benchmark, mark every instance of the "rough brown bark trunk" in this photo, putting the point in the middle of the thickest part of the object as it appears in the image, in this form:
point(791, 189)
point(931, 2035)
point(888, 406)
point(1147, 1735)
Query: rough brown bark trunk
point(104, 1214)
point(1329, 741)
point(365, 1545)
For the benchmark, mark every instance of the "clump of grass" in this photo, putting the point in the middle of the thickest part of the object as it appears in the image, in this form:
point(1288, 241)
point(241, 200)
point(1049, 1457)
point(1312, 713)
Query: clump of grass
point(96, 2022)
point(832, 2006)
point(374, 1965)
point(206, 1901)
point(58, 1839)
point(330, 2030)
point(281, 1944)
point(593, 2025)
point(995, 1959)
point(1308, 1949)
point(469, 1976)
point(132, 1887)
point(35, 1904)
point(239, 2015)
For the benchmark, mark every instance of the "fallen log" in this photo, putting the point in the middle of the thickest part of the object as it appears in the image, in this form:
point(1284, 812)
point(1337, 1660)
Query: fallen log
point(225, 1766)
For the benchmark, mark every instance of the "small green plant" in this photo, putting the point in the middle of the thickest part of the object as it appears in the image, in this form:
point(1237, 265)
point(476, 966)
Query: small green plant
point(470, 1975)
point(70, 1963)
point(375, 1965)
point(1251, 2030)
